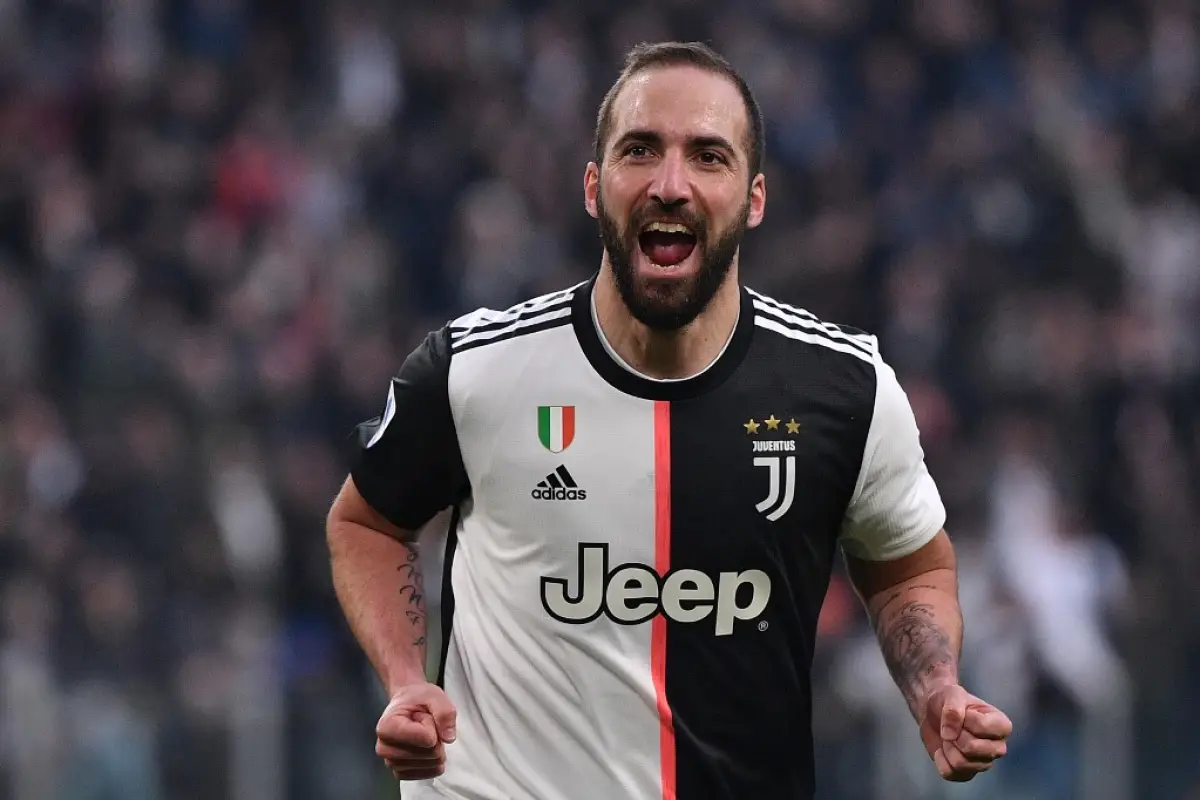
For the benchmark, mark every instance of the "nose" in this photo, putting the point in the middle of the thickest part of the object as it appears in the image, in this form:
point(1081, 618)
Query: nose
point(671, 186)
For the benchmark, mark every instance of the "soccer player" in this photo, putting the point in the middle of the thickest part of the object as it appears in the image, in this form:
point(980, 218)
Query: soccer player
point(650, 474)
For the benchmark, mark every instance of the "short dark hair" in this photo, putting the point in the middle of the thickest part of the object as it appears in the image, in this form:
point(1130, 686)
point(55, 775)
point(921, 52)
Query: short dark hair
point(671, 54)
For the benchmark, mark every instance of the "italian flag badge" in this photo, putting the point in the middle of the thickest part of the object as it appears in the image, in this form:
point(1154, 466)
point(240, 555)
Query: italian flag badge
point(556, 427)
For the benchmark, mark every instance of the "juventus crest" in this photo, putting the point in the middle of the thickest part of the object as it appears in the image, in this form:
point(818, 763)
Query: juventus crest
point(781, 469)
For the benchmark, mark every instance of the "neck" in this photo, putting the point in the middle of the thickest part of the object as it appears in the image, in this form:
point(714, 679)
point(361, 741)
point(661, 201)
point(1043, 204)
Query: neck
point(674, 354)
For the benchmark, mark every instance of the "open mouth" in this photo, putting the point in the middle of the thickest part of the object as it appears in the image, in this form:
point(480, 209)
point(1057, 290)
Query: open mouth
point(666, 244)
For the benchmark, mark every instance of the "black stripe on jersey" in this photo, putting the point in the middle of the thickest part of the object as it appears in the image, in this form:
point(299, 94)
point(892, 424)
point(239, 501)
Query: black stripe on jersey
point(553, 480)
point(804, 322)
point(566, 478)
point(447, 595)
point(741, 701)
point(528, 310)
point(556, 318)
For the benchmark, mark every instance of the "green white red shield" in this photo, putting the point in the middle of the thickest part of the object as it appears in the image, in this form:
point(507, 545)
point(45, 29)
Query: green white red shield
point(556, 427)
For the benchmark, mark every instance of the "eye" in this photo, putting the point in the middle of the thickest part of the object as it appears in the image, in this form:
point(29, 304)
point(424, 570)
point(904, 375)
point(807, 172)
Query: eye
point(637, 151)
point(710, 158)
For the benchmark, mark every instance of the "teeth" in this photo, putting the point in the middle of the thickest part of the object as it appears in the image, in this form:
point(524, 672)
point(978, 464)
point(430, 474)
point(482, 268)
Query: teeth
point(668, 227)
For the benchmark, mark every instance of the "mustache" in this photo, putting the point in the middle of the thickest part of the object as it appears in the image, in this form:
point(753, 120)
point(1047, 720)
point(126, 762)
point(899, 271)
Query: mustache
point(657, 211)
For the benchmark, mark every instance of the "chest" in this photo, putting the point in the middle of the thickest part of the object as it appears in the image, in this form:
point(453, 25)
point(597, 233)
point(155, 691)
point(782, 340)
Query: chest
point(730, 480)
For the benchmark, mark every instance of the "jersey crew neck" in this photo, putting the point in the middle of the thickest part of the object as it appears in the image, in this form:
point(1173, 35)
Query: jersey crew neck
point(624, 379)
point(615, 356)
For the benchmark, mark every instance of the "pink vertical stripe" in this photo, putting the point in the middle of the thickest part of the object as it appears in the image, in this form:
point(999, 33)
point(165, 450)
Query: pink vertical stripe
point(662, 563)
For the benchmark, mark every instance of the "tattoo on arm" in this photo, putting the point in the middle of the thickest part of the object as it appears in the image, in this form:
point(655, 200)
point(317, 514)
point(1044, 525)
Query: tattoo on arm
point(900, 594)
point(410, 591)
point(915, 648)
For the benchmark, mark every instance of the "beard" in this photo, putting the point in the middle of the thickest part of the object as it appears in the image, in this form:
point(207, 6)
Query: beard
point(673, 306)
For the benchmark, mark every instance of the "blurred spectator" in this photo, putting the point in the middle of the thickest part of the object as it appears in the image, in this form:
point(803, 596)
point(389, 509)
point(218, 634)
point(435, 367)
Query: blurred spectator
point(224, 222)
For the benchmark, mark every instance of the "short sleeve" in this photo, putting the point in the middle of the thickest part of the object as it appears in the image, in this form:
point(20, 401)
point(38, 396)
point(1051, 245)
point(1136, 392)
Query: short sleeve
point(407, 463)
point(896, 508)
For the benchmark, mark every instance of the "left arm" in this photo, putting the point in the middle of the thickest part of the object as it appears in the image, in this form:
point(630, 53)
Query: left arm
point(913, 606)
point(902, 565)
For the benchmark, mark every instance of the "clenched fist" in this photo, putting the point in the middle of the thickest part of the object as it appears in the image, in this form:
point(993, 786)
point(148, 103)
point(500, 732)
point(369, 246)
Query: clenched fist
point(963, 735)
point(413, 732)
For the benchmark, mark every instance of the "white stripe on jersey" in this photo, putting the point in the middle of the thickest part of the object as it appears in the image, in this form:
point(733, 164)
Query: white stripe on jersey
point(817, 327)
point(517, 675)
point(842, 347)
point(486, 316)
point(389, 413)
point(798, 316)
point(521, 322)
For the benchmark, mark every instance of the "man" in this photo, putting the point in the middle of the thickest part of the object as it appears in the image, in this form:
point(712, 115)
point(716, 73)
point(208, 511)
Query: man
point(650, 474)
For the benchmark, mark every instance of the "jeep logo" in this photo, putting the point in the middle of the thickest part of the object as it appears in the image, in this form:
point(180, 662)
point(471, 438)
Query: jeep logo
point(631, 594)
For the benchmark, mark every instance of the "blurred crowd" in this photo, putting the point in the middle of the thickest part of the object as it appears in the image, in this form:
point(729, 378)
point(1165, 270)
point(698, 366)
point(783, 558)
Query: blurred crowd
point(223, 223)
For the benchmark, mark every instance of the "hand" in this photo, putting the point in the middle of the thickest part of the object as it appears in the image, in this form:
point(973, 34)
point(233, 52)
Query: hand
point(963, 734)
point(413, 731)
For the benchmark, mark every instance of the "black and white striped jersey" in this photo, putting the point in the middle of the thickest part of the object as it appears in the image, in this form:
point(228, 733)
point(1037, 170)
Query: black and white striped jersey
point(636, 567)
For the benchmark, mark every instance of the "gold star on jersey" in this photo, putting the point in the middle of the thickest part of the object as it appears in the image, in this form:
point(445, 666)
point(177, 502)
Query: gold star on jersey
point(773, 423)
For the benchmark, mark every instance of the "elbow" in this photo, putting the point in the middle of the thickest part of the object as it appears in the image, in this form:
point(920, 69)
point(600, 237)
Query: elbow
point(335, 527)
point(338, 521)
point(935, 562)
point(344, 512)
point(351, 515)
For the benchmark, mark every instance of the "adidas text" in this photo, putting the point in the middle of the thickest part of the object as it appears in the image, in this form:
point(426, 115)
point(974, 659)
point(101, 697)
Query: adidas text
point(558, 485)
point(546, 493)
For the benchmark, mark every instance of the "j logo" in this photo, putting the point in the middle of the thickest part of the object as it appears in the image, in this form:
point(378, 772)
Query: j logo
point(783, 480)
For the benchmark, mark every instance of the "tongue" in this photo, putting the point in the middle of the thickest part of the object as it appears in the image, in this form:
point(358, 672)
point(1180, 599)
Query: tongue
point(667, 249)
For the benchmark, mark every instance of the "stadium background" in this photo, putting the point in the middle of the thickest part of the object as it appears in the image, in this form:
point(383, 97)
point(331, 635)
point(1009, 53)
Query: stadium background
point(224, 222)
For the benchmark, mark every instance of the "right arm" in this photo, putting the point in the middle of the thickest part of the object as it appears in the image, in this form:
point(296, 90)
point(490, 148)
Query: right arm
point(407, 467)
point(377, 577)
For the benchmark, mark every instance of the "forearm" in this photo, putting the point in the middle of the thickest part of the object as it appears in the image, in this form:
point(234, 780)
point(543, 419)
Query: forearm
point(378, 583)
point(919, 626)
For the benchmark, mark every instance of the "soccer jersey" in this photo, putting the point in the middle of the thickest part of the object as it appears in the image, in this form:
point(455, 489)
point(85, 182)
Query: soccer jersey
point(635, 567)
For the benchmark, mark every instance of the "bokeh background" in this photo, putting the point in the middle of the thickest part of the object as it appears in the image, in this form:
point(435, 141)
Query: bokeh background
point(223, 223)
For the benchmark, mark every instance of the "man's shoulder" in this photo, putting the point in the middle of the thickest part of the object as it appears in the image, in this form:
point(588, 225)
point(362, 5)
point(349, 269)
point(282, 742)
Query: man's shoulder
point(802, 328)
point(486, 326)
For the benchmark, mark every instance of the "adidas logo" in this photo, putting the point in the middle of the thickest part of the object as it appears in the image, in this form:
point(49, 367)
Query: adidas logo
point(558, 485)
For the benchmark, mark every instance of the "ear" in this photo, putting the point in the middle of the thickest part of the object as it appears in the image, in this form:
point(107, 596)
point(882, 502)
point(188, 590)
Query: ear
point(758, 201)
point(591, 189)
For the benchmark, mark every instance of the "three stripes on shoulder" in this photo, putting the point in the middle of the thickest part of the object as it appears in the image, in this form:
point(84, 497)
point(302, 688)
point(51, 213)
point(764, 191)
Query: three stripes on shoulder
point(485, 326)
point(804, 326)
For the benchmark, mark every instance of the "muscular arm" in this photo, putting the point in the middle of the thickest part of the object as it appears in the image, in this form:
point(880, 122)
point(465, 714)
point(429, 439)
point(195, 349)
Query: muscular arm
point(377, 577)
point(913, 605)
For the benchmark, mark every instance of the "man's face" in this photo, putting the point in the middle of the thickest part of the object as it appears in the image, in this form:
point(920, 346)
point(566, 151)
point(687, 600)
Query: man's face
point(674, 195)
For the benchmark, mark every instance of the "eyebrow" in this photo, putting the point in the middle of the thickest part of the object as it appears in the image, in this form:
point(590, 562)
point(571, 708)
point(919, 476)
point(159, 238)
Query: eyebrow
point(649, 137)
